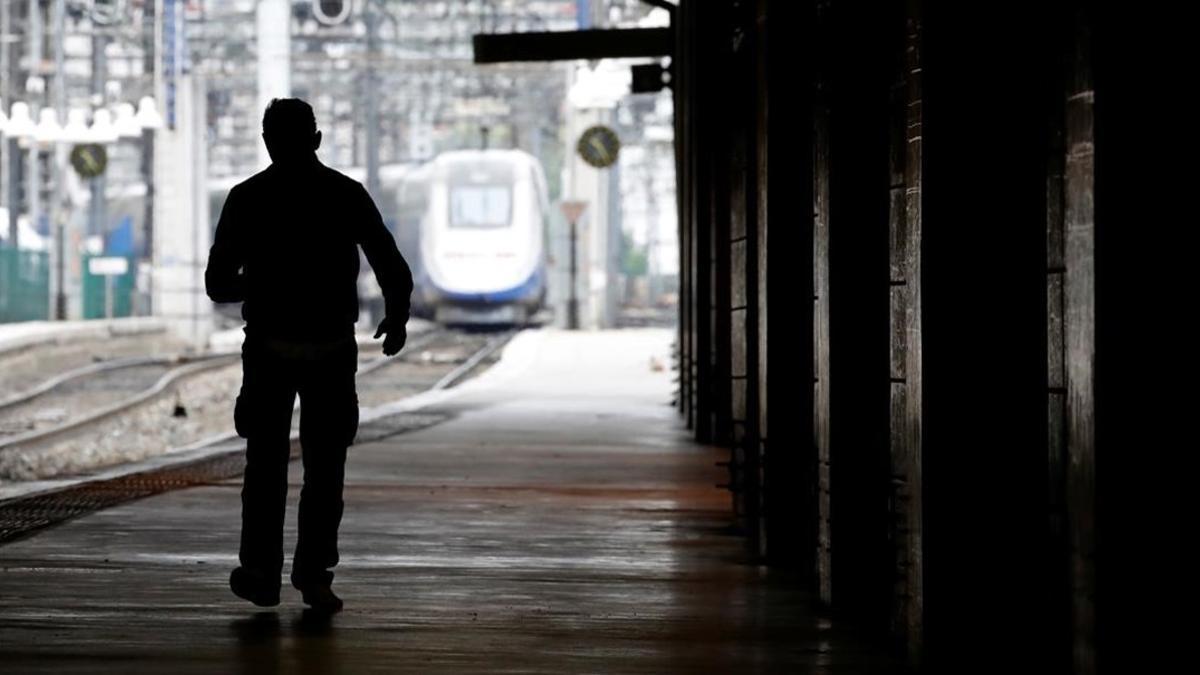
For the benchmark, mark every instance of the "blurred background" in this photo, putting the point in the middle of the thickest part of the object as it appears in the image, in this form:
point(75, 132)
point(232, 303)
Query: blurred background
point(520, 193)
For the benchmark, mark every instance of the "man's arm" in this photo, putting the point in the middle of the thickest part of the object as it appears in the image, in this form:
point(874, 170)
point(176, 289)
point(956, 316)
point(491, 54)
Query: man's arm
point(224, 280)
point(391, 271)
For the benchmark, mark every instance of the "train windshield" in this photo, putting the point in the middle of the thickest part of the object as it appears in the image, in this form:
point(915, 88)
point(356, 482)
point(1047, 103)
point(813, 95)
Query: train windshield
point(480, 206)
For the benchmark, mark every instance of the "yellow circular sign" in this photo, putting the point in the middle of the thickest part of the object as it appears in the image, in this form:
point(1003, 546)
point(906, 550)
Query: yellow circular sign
point(599, 146)
point(89, 159)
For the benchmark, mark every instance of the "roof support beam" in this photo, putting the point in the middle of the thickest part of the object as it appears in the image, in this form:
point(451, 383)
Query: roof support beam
point(572, 45)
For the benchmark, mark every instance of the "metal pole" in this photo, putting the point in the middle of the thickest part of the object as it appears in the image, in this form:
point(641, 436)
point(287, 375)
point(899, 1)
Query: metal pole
point(371, 99)
point(108, 296)
point(651, 229)
point(153, 52)
point(60, 295)
point(7, 92)
point(57, 210)
point(33, 180)
point(573, 298)
point(10, 70)
point(148, 214)
point(99, 205)
point(13, 200)
point(273, 23)
point(8, 285)
point(12, 149)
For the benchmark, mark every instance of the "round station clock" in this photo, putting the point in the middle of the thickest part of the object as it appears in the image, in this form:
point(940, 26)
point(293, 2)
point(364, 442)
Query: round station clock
point(89, 159)
point(599, 146)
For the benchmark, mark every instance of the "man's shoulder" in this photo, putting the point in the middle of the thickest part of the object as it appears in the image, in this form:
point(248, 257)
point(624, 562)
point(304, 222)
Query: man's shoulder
point(253, 182)
point(270, 181)
point(340, 179)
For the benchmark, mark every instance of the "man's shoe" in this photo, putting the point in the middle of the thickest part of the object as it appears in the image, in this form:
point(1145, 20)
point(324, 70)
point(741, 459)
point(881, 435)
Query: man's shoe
point(255, 587)
point(321, 599)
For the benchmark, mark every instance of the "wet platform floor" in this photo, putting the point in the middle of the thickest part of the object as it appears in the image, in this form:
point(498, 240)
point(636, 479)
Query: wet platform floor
point(558, 522)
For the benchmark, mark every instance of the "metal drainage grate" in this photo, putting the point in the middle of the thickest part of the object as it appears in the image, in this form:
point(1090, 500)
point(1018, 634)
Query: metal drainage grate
point(24, 516)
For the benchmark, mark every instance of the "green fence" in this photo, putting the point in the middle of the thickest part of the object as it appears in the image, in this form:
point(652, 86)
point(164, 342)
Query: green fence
point(94, 291)
point(24, 285)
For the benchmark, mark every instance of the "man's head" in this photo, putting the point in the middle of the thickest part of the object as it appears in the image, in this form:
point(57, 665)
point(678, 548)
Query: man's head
point(289, 129)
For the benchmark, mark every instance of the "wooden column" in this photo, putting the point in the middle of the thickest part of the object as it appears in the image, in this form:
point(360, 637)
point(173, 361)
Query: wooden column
point(906, 362)
point(740, 94)
point(685, 115)
point(1079, 319)
point(783, 161)
point(820, 275)
point(861, 60)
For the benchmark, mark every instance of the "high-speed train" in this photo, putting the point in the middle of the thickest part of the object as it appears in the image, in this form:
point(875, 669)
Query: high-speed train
point(480, 222)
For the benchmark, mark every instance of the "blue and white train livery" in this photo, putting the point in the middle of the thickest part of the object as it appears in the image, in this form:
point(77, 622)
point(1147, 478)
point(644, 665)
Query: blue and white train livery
point(481, 217)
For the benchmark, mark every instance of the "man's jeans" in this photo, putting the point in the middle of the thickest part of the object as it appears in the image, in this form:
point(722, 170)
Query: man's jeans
point(273, 373)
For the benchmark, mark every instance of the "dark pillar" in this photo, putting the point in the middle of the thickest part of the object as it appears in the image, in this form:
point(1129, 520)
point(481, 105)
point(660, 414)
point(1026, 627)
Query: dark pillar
point(982, 304)
point(866, 172)
point(784, 229)
point(739, 253)
point(1145, 350)
point(685, 194)
point(822, 167)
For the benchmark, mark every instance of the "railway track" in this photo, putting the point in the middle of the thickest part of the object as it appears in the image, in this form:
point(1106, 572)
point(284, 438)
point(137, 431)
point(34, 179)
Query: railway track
point(169, 373)
point(25, 363)
point(52, 383)
point(85, 395)
point(81, 390)
point(22, 516)
point(436, 360)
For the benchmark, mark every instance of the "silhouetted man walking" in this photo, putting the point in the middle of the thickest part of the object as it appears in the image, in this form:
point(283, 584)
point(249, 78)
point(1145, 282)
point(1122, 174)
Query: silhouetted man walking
point(286, 246)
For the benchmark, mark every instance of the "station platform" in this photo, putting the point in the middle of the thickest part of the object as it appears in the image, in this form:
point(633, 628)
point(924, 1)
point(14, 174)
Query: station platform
point(548, 516)
point(24, 334)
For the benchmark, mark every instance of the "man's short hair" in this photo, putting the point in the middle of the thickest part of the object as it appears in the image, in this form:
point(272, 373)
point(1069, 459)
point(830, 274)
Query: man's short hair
point(289, 119)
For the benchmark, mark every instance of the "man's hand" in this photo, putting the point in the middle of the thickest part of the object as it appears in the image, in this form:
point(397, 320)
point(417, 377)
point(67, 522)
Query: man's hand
point(396, 336)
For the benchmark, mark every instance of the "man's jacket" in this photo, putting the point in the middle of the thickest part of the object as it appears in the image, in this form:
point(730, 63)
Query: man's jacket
point(286, 246)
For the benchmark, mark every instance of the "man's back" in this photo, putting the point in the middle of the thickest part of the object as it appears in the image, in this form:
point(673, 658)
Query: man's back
point(294, 229)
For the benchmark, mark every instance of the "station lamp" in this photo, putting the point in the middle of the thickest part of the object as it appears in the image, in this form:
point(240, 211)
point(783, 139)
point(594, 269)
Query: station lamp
point(48, 129)
point(148, 116)
point(102, 130)
point(76, 129)
point(125, 124)
point(20, 124)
